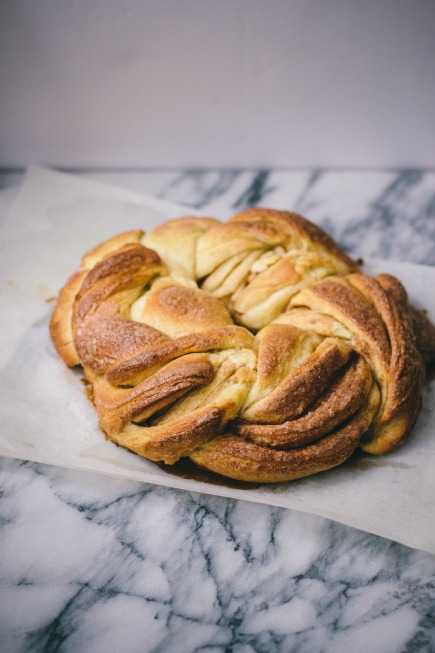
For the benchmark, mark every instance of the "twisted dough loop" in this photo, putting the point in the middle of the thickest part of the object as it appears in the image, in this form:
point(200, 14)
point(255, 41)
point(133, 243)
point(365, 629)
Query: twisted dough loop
point(254, 347)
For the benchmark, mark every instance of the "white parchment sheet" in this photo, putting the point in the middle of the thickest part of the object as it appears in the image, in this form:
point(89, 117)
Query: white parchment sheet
point(46, 417)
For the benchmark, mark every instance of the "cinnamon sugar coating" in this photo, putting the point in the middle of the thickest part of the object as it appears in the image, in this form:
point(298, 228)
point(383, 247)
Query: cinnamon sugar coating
point(254, 347)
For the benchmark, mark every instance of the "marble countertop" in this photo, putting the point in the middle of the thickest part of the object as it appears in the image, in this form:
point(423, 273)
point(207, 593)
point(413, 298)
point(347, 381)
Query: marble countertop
point(91, 563)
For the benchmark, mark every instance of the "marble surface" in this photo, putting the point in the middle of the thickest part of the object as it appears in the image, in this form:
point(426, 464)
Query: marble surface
point(90, 563)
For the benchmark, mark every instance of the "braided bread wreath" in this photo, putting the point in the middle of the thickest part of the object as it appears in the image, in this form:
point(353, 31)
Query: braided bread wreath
point(253, 347)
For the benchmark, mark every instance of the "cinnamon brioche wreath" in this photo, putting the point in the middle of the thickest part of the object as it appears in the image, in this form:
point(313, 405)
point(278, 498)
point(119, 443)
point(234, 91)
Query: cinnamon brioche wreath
point(254, 347)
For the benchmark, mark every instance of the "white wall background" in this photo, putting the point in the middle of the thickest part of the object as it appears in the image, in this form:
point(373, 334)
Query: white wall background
point(217, 82)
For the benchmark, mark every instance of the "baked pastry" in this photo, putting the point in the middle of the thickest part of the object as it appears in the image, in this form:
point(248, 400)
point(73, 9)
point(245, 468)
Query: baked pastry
point(254, 347)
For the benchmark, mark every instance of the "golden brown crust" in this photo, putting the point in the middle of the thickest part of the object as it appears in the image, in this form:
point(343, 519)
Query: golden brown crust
point(298, 225)
point(343, 398)
point(302, 386)
point(61, 327)
point(231, 455)
point(255, 347)
point(119, 406)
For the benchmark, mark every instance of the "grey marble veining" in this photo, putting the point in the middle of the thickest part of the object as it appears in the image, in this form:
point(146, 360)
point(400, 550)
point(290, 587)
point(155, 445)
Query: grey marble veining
point(91, 563)
point(380, 214)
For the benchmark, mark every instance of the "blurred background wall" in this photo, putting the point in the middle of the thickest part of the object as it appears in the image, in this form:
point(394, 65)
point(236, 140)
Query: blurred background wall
point(149, 83)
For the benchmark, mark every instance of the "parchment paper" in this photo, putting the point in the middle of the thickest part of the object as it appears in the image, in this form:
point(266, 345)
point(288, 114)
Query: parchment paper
point(46, 417)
